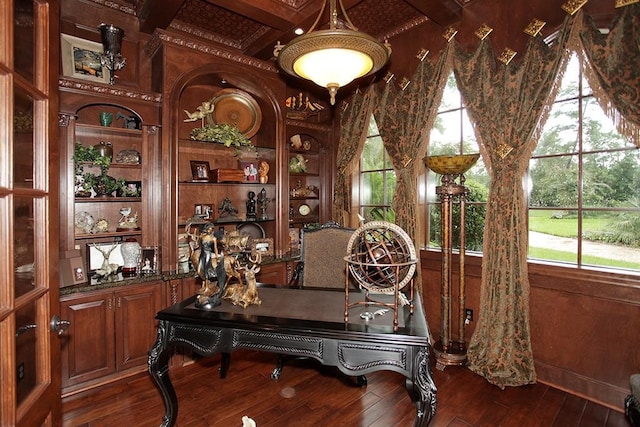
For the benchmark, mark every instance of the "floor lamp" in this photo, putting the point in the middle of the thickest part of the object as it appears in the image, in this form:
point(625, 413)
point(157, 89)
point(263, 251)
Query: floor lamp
point(452, 168)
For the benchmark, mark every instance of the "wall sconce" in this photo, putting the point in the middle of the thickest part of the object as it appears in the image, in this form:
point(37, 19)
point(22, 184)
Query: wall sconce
point(112, 44)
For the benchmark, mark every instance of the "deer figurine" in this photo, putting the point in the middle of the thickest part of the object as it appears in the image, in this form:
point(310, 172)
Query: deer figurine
point(247, 294)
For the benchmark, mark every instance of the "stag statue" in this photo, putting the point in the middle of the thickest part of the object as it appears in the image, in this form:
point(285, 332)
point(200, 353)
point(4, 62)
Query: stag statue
point(107, 269)
point(245, 294)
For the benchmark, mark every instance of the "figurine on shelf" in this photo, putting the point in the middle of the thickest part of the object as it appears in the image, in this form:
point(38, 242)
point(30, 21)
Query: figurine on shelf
point(208, 260)
point(203, 110)
point(226, 209)
point(263, 202)
point(251, 206)
point(263, 171)
point(127, 221)
point(107, 269)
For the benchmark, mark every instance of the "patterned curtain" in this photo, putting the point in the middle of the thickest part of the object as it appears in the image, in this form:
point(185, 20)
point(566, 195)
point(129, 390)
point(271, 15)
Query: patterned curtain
point(405, 118)
point(354, 123)
point(508, 105)
point(614, 75)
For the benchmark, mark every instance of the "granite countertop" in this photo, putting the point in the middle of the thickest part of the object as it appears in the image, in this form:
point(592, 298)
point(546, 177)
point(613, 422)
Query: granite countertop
point(165, 276)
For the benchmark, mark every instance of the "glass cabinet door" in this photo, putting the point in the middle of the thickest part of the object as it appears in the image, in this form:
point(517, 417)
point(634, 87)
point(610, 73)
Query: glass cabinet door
point(28, 213)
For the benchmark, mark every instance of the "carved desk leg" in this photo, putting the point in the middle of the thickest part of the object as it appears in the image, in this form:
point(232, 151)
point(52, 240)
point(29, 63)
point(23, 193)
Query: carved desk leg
point(158, 365)
point(422, 389)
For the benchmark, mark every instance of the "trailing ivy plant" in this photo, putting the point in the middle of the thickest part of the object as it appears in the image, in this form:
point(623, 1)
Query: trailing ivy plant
point(103, 183)
point(223, 133)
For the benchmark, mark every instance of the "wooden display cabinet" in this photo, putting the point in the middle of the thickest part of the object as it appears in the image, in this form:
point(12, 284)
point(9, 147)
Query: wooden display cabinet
point(79, 123)
point(110, 333)
point(309, 188)
point(198, 194)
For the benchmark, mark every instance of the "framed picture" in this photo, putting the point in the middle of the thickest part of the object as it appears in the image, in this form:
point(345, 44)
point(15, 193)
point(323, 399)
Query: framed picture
point(250, 170)
point(130, 189)
point(200, 171)
point(262, 246)
point(96, 253)
point(81, 59)
point(149, 260)
point(294, 238)
point(207, 211)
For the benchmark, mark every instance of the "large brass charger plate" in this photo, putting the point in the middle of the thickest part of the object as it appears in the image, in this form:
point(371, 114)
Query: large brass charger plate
point(237, 107)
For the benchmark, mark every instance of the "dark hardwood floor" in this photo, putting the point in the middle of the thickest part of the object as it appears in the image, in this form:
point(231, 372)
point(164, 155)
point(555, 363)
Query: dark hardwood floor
point(308, 394)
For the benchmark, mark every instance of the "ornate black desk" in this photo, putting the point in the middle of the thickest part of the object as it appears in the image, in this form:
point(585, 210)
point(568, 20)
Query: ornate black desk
point(301, 323)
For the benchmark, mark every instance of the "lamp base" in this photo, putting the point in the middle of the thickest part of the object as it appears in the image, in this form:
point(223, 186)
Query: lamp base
point(452, 356)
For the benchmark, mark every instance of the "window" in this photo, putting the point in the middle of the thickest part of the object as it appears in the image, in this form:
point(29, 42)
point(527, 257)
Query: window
point(377, 180)
point(452, 133)
point(583, 186)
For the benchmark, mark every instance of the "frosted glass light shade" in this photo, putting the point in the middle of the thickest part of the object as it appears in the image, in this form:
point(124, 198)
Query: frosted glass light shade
point(319, 66)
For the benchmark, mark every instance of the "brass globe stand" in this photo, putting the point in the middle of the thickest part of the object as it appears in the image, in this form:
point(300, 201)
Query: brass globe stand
point(447, 351)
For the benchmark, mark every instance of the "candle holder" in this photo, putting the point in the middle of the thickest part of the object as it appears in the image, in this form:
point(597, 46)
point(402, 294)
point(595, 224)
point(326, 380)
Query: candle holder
point(111, 58)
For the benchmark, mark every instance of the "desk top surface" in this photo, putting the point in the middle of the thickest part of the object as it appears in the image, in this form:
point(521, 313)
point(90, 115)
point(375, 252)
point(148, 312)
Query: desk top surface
point(315, 312)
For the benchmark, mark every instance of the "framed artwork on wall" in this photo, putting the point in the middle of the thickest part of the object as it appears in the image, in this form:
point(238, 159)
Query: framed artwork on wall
point(81, 59)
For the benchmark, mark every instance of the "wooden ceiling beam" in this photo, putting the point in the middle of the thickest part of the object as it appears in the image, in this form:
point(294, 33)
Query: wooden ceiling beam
point(272, 13)
point(442, 12)
point(154, 14)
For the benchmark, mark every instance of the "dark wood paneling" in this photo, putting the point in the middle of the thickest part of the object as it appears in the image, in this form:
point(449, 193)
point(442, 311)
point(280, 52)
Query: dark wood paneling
point(581, 323)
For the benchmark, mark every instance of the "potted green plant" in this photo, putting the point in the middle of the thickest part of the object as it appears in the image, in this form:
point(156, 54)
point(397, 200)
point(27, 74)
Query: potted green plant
point(223, 133)
point(102, 184)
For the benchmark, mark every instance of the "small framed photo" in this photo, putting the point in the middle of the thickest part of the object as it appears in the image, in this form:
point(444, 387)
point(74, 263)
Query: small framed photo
point(197, 210)
point(207, 211)
point(81, 59)
point(250, 170)
point(149, 260)
point(200, 171)
point(262, 246)
point(130, 189)
point(294, 238)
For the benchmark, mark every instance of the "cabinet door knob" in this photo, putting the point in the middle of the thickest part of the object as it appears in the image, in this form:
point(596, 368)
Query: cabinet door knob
point(59, 325)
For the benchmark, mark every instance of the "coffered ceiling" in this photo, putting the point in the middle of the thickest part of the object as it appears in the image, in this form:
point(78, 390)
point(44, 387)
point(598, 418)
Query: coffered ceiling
point(255, 26)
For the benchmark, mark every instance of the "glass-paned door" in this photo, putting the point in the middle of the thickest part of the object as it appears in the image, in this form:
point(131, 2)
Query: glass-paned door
point(29, 375)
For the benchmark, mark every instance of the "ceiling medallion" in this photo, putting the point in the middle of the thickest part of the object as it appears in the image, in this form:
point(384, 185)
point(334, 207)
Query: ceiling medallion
point(335, 57)
point(572, 6)
point(534, 27)
point(483, 31)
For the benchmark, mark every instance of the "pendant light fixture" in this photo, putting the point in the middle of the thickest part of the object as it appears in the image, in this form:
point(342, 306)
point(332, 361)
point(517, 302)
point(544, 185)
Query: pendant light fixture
point(334, 57)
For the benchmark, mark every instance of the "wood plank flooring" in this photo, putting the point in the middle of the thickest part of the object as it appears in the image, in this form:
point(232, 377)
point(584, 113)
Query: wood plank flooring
point(308, 394)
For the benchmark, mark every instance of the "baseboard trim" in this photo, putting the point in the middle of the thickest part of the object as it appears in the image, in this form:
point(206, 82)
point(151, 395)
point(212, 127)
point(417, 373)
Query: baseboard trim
point(585, 387)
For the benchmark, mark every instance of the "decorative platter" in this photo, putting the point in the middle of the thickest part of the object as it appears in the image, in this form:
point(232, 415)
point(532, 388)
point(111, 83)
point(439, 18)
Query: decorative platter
point(237, 107)
point(253, 229)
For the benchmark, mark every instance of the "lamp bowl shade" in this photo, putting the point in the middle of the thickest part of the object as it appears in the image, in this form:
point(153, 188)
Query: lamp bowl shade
point(451, 165)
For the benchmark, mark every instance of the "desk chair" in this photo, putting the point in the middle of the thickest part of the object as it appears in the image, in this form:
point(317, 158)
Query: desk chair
point(322, 255)
point(321, 265)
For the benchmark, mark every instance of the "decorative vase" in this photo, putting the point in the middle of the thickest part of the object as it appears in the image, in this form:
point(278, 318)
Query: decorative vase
point(130, 256)
point(106, 118)
point(104, 149)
